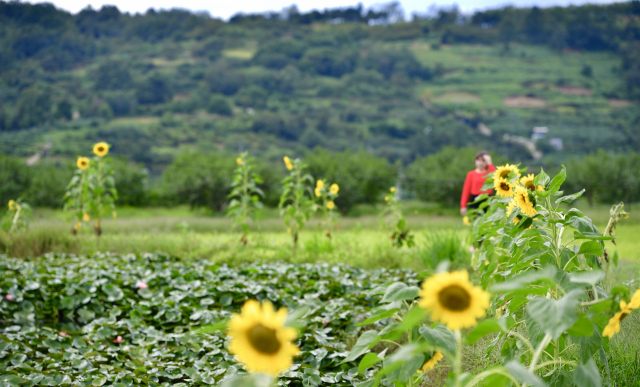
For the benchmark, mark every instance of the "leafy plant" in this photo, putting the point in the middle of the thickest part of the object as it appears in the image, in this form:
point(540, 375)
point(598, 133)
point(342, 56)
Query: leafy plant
point(445, 245)
point(326, 197)
point(16, 217)
point(245, 204)
point(91, 193)
point(296, 205)
point(392, 216)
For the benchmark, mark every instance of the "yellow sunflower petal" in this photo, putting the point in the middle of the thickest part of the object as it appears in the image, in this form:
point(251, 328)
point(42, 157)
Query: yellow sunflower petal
point(101, 149)
point(431, 363)
point(522, 200)
point(260, 340)
point(503, 187)
point(453, 300)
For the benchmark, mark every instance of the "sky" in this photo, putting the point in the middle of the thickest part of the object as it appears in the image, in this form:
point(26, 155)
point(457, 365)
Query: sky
point(226, 9)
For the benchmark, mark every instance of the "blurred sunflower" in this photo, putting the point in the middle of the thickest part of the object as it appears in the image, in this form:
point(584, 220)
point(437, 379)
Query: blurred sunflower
point(453, 300)
point(510, 207)
point(12, 205)
point(613, 326)
point(287, 163)
point(527, 182)
point(504, 171)
point(331, 205)
point(392, 190)
point(320, 184)
point(83, 163)
point(239, 160)
point(429, 364)
point(101, 149)
point(260, 340)
point(86, 217)
point(503, 187)
point(465, 220)
point(317, 191)
point(524, 202)
point(386, 198)
point(334, 188)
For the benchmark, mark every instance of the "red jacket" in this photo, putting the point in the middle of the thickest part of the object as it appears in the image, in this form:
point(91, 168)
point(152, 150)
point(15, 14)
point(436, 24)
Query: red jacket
point(473, 185)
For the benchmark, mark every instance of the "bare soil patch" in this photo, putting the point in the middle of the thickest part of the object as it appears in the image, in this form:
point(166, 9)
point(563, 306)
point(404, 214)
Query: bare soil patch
point(575, 90)
point(619, 103)
point(523, 101)
point(456, 97)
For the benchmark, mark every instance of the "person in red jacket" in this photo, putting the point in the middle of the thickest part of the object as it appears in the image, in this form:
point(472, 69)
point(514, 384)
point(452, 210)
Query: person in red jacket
point(474, 181)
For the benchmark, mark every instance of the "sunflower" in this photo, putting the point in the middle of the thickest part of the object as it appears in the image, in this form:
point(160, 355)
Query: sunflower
point(77, 226)
point(453, 300)
point(613, 326)
point(86, 217)
point(527, 182)
point(320, 184)
point(465, 220)
point(392, 190)
point(83, 163)
point(239, 160)
point(260, 340)
point(101, 149)
point(503, 187)
point(386, 198)
point(429, 364)
point(12, 205)
point(504, 171)
point(524, 202)
point(331, 205)
point(287, 163)
point(334, 188)
point(317, 191)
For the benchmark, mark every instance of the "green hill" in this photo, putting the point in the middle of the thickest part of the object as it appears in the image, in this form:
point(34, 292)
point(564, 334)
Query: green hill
point(153, 85)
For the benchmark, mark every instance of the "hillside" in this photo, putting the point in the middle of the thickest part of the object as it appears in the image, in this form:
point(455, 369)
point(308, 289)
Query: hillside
point(153, 85)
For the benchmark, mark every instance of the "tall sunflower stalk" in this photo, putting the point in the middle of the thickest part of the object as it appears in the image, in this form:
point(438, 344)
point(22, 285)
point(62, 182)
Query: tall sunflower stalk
point(17, 216)
point(245, 195)
point(392, 216)
point(326, 196)
point(296, 205)
point(91, 193)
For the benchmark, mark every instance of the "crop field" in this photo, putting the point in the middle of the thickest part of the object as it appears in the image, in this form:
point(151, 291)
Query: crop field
point(98, 327)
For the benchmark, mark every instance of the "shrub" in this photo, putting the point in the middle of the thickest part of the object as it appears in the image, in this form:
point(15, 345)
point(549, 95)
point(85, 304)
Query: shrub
point(219, 105)
point(362, 177)
point(198, 179)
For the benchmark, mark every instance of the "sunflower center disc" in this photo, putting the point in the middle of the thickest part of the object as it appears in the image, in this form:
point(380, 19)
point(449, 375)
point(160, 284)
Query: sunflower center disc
point(530, 186)
point(454, 298)
point(505, 174)
point(505, 186)
point(264, 339)
point(101, 149)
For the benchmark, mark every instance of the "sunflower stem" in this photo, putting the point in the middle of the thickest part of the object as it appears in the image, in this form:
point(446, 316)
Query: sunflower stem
point(457, 366)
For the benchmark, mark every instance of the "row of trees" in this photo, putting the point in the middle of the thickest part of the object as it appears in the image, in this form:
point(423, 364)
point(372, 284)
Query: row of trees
point(203, 180)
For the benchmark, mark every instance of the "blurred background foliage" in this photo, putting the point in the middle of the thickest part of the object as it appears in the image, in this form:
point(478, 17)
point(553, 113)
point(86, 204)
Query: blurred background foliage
point(368, 98)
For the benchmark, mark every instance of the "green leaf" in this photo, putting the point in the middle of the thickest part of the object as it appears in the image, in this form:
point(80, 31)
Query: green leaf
point(541, 179)
point(570, 198)
point(441, 338)
point(99, 381)
point(382, 314)
point(407, 369)
point(582, 327)
point(587, 277)
point(591, 247)
point(524, 375)
point(587, 375)
point(362, 345)
point(484, 328)
point(113, 292)
point(555, 316)
point(522, 280)
point(590, 344)
point(368, 360)
point(412, 318)
point(535, 250)
point(399, 291)
point(557, 181)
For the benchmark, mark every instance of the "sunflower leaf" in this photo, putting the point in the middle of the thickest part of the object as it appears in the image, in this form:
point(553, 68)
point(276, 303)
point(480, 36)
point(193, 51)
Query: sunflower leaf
point(368, 361)
point(362, 345)
point(484, 328)
point(587, 375)
point(441, 338)
point(570, 198)
point(591, 247)
point(399, 291)
point(557, 181)
point(555, 316)
point(524, 375)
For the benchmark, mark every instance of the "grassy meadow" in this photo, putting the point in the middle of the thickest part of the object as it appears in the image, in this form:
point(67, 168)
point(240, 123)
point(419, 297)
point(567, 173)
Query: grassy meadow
point(359, 240)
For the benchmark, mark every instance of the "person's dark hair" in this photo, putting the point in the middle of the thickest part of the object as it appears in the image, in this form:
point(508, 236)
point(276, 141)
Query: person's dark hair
point(480, 154)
